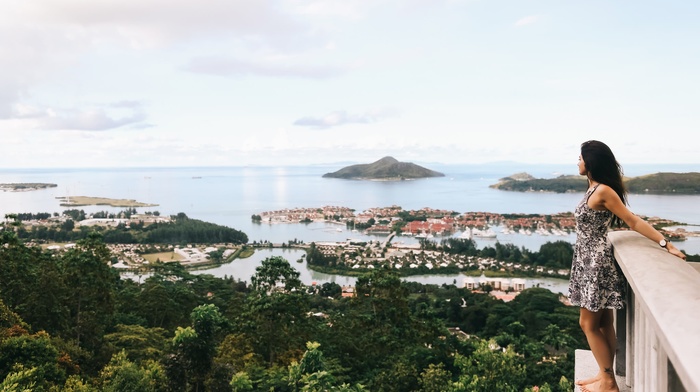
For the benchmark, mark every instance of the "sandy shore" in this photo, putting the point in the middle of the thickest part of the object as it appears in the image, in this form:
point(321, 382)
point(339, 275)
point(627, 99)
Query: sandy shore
point(77, 201)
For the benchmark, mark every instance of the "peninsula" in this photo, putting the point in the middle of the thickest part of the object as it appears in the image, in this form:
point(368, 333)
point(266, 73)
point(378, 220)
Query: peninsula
point(386, 169)
point(653, 184)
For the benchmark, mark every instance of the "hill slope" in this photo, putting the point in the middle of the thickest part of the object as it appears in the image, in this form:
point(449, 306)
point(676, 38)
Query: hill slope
point(657, 184)
point(386, 168)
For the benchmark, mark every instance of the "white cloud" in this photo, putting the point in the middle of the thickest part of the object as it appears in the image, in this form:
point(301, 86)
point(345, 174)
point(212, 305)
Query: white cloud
point(29, 55)
point(92, 120)
point(96, 119)
point(350, 9)
point(528, 20)
point(41, 40)
point(155, 22)
point(233, 67)
point(342, 117)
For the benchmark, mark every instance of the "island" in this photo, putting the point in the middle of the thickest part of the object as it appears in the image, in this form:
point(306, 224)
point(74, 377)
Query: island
point(387, 169)
point(25, 186)
point(653, 184)
point(77, 201)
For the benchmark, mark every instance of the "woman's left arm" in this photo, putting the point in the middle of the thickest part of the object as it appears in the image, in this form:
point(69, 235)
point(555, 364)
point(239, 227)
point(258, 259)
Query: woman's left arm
point(610, 200)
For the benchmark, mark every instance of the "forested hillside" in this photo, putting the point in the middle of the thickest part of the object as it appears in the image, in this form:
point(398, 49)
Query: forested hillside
point(180, 230)
point(68, 323)
point(659, 184)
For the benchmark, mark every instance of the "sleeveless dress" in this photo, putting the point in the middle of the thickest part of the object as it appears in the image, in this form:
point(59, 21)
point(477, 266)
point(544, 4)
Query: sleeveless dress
point(596, 281)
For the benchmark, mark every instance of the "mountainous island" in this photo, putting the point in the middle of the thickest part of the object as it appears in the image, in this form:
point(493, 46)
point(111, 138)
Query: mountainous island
point(652, 184)
point(386, 168)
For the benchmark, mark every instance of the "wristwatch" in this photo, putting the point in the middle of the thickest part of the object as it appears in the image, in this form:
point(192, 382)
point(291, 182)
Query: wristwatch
point(663, 243)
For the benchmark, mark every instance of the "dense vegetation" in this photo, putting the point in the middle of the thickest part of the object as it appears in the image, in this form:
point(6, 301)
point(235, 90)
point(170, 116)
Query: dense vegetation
point(385, 168)
point(68, 323)
point(561, 184)
point(659, 183)
point(180, 230)
point(666, 183)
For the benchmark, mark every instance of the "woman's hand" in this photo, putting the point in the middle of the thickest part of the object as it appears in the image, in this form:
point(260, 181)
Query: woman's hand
point(675, 251)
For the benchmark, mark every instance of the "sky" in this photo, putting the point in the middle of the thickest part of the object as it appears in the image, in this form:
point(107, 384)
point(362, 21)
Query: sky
point(140, 83)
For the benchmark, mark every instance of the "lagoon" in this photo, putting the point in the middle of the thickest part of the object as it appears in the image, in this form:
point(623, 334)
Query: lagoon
point(243, 269)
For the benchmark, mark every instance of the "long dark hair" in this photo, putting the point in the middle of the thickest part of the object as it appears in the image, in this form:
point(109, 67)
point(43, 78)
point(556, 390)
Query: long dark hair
point(602, 167)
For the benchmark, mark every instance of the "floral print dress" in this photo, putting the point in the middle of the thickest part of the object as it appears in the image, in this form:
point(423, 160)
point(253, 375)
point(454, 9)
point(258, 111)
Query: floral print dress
point(596, 281)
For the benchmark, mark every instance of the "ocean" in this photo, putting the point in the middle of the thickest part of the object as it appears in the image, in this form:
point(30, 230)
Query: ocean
point(231, 195)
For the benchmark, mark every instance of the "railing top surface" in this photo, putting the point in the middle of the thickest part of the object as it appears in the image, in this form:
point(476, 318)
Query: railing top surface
point(668, 289)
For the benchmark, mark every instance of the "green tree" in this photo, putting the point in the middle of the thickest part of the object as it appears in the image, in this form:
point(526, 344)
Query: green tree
point(544, 388)
point(49, 300)
point(276, 310)
point(35, 352)
point(311, 362)
point(195, 346)
point(330, 289)
point(68, 225)
point(556, 254)
point(120, 375)
point(18, 272)
point(9, 319)
point(22, 380)
point(74, 384)
point(554, 337)
point(241, 382)
point(167, 298)
point(313, 373)
point(435, 379)
point(565, 385)
point(138, 342)
point(92, 285)
point(490, 369)
point(384, 354)
point(535, 309)
point(236, 351)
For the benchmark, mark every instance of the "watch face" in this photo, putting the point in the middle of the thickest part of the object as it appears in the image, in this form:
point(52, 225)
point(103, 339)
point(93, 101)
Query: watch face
point(662, 243)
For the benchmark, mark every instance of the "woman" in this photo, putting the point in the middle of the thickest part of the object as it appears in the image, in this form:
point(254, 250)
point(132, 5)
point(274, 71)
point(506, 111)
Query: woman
point(596, 283)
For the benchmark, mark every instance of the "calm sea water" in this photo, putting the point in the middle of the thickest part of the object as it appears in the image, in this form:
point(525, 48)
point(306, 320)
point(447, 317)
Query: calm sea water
point(230, 195)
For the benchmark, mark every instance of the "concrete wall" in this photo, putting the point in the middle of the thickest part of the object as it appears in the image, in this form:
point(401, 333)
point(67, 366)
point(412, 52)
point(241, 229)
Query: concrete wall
point(659, 330)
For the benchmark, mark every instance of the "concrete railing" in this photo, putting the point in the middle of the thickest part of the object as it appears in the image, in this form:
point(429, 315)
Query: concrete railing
point(659, 330)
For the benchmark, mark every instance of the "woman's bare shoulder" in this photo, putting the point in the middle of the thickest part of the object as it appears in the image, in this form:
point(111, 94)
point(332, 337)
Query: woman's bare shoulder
point(610, 200)
point(605, 189)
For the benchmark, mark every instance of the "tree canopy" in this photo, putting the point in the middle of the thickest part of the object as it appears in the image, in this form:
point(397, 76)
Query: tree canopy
point(68, 323)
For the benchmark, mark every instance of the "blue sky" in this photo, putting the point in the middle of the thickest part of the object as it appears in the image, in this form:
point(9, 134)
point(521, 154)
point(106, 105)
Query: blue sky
point(292, 82)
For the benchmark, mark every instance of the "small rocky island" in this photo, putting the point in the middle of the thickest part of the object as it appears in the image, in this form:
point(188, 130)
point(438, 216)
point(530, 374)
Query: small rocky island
point(652, 184)
point(386, 169)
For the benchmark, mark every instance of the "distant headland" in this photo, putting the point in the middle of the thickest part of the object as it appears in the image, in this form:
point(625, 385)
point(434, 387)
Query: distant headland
point(653, 184)
point(25, 186)
point(386, 169)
